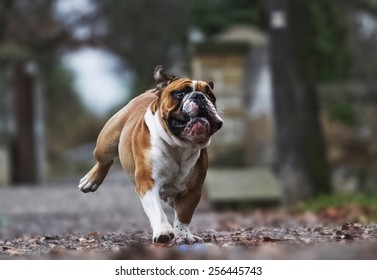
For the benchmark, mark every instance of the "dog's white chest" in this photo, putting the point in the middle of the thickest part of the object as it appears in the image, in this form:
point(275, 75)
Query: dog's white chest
point(171, 168)
point(172, 165)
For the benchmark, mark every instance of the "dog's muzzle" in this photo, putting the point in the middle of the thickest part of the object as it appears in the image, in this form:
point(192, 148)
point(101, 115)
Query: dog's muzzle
point(202, 119)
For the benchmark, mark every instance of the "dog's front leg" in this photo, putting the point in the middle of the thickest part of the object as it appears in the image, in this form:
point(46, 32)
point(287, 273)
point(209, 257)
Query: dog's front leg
point(162, 230)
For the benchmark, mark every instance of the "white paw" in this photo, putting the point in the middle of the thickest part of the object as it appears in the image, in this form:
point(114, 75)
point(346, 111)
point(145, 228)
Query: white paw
point(164, 234)
point(184, 236)
point(86, 185)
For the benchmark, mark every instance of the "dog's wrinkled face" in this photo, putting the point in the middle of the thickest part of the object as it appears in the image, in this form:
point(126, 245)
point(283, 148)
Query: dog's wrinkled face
point(192, 110)
point(188, 108)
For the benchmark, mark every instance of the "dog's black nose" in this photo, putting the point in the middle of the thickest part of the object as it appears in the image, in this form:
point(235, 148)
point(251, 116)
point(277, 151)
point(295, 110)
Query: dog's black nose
point(197, 96)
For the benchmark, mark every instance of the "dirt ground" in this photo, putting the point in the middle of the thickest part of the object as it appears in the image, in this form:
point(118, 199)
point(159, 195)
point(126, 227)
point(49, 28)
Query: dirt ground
point(59, 222)
point(348, 241)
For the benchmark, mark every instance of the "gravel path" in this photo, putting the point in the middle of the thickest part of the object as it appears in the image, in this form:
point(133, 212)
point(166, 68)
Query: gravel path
point(58, 221)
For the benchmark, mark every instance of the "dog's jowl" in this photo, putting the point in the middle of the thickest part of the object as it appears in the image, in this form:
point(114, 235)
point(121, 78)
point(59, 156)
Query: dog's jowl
point(161, 138)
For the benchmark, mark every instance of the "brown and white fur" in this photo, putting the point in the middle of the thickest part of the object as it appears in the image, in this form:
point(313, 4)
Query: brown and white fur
point(161, 138)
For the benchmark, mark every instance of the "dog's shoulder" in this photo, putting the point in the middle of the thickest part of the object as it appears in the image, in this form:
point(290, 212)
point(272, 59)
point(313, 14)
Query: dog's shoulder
point(135, 108)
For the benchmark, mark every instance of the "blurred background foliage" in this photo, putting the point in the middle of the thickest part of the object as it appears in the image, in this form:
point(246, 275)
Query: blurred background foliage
point(213, 16)
point(145, 33)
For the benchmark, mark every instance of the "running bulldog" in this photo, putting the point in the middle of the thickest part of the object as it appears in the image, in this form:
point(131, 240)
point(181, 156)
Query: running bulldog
point(161, 138)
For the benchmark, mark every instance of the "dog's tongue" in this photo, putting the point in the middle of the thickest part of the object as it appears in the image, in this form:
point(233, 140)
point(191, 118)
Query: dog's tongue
point(198, 129)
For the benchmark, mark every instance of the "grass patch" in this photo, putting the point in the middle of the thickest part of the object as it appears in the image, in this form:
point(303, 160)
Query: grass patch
point(342, 112)
point(353, 206)
point(340, 199)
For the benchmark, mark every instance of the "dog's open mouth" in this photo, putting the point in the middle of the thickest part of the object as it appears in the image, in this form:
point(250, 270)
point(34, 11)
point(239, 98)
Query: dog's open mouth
point(198, 128)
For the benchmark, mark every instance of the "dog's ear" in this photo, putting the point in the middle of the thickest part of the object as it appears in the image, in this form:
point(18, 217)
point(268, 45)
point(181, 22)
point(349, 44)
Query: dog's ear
point(211, 85)
point(162, 79)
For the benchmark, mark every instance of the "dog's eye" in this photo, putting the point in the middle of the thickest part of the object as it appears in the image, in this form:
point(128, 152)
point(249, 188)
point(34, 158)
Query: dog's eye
point(179, 94)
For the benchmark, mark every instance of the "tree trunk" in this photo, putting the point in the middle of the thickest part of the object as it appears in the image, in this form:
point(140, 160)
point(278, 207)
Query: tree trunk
point(302, 164)
point(24, 158)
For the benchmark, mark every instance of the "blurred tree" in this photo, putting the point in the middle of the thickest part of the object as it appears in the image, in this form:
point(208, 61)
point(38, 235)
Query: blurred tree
point(213, 16)
point(16, 55)
point(302, 164)
point(31, 34)
point(144, 33)
point(362, 39)
point(368, 5)
point(328, 31)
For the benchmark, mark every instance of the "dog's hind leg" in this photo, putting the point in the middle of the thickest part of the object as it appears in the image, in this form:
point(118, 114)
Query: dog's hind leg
point(94, 178)
point(184, 209)
point(105, 152)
